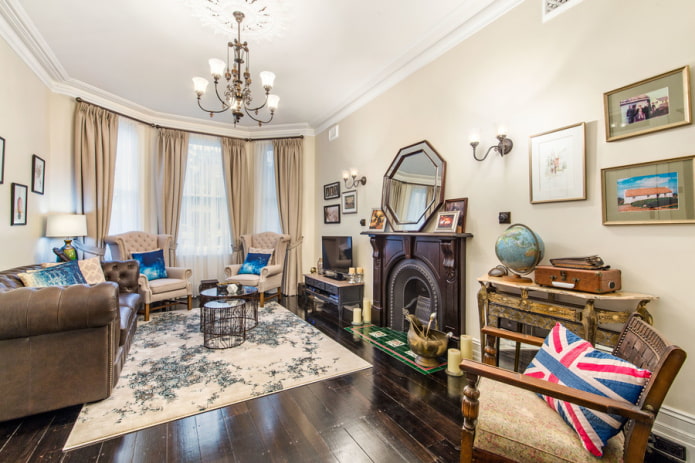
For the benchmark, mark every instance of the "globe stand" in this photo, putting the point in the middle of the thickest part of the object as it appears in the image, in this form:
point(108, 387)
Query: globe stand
point(516, 278)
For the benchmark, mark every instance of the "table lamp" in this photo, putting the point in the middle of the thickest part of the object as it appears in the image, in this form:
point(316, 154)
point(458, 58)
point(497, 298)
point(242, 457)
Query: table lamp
point(66, 226)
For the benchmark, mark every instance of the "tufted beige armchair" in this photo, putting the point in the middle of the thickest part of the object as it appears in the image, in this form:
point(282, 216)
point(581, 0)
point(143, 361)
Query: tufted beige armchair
point(271, 275)
point(166, 290)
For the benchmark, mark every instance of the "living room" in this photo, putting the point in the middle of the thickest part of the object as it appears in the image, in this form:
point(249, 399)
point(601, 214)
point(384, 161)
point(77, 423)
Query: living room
point(518, 71)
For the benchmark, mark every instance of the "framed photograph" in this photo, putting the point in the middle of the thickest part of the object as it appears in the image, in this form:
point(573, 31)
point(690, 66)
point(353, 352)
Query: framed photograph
point(331, 190)
point(350, 202)
point(649, 193)
point(447, 221)
point(19, 204)
point(2, 160)
point(557, 165)
point(552, 8)
point(331, 214)
point(460, 205)
point(377, 221)
point(654, 104)
point(38, 174)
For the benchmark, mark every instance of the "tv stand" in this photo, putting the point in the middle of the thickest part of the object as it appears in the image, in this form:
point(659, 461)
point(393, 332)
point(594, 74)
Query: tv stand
point(336, 292)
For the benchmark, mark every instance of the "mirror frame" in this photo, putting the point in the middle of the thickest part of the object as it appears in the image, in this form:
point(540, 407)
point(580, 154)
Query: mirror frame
point(422, 147)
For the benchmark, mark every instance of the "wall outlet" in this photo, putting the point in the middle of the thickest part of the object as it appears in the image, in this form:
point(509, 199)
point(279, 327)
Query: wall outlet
point(505, 217)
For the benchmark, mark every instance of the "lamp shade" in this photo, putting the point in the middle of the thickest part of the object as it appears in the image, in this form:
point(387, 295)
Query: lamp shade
point(66, 225)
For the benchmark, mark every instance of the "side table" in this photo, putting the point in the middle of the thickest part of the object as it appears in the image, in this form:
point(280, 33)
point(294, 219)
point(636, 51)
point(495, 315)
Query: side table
point(224, 323)
point(248, 294)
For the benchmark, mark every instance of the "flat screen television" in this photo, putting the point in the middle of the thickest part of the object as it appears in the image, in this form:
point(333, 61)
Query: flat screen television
point(336, 252)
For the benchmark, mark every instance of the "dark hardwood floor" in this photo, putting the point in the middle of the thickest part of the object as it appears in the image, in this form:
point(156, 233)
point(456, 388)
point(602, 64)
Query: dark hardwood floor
point(388, 413)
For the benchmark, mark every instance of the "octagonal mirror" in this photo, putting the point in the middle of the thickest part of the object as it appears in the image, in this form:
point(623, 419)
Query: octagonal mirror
point(413, 187)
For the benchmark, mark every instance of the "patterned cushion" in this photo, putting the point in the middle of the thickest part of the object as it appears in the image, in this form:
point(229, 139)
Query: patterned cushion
point(151, 264)
point(60, 275)
point(90, 268)
point(567, 359)
point(254, 263)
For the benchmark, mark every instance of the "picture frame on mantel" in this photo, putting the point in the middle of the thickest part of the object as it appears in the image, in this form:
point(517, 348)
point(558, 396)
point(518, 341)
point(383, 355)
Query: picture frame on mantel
point(658, 103)
point(461, 205)
point(557, 165)
point(377, 221)
point(447, 221)
point(657, 192)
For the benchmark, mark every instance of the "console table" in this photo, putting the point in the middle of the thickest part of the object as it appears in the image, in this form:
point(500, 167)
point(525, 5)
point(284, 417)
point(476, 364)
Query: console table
point(338, 292)
point(523, 312)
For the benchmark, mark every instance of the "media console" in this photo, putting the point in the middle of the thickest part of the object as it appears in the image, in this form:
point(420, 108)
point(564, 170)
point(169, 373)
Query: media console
point(338, 292)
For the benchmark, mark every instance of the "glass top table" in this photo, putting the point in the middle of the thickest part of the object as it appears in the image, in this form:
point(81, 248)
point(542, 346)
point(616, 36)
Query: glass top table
point(247, 293)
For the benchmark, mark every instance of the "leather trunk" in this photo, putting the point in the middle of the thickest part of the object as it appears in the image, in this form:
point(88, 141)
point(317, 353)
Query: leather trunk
point(590, 281)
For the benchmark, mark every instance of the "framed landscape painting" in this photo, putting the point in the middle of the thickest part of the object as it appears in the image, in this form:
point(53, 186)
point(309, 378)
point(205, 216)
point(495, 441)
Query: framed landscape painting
point(658, 103)
point(658, 192)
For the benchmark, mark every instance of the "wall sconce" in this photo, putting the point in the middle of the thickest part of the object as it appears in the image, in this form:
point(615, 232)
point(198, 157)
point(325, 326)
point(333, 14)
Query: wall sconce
point(503, 146)
point(352, 178)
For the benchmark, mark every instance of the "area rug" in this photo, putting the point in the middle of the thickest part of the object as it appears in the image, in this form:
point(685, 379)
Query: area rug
point(394, 343)
point(170, 375)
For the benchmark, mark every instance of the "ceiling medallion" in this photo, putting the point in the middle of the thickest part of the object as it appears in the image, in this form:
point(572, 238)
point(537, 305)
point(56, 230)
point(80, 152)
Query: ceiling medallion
point(263, 19)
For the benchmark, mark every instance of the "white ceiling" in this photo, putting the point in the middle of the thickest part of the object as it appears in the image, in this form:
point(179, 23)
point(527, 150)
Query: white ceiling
point(331, 57)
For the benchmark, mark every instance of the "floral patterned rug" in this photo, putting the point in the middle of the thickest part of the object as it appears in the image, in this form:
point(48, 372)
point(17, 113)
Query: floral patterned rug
point(170, 375)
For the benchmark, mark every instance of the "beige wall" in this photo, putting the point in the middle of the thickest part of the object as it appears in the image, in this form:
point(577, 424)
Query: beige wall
point(534, 77)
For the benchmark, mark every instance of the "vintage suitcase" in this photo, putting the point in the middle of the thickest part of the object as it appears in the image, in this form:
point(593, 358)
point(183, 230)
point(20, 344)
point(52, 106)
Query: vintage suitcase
point(590, 281)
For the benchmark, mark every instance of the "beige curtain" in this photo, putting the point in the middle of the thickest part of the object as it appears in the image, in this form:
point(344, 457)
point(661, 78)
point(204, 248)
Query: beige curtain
point(95, 136)
point(239, 189)
point(288, 176)
point(172, 155)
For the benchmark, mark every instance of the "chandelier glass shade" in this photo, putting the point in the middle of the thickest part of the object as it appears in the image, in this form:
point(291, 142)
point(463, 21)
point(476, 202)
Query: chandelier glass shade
point(234, 94)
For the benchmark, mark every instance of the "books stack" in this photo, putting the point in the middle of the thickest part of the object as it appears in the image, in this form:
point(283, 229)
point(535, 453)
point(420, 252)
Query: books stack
point(583, 263)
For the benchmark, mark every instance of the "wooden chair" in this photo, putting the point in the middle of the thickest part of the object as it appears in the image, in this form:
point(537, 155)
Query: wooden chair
point(504, 419)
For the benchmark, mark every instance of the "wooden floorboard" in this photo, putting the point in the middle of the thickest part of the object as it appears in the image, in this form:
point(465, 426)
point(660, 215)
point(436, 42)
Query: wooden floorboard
point(388, 413)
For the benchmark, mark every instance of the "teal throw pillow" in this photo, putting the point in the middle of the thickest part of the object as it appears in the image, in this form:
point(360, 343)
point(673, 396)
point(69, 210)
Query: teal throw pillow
point(151, 264)
point(254, 263)
point(60, 275)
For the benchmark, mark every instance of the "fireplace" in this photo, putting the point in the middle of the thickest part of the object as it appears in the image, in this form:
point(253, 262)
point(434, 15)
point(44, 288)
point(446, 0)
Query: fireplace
point(423, 272)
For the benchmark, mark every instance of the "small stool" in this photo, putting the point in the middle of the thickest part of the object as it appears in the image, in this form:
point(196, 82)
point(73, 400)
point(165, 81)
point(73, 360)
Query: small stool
point(224, 323)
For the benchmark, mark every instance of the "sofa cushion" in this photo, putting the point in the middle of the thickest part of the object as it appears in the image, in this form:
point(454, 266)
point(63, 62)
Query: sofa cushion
point(254, 263)
point(128, 305)
point(151, 264)
point(90, 268)
point(567, 359)
point(60, 275)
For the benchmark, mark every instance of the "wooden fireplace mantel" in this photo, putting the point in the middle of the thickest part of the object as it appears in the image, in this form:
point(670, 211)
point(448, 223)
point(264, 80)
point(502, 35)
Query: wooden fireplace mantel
point(443, 253)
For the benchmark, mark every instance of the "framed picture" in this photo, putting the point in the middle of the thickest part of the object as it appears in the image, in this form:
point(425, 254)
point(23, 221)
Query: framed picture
point(350, 202)
point(447, 221)
point(649, 193)
point(38, 174)
point(658, 103)
point(377, 221)
point(331, 190)
point(19, 204)
point(552, 8)
point(460, 205)
point(2, 160)
point(331, 214)
point(557, 165)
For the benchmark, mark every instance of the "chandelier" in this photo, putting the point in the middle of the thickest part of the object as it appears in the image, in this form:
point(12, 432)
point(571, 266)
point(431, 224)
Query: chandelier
point(235, 95)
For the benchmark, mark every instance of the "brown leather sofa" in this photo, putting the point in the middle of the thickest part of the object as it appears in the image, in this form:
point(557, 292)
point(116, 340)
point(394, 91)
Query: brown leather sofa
point(64, 345)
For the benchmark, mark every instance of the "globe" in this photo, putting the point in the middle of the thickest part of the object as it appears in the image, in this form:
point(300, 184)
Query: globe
point(519, 249)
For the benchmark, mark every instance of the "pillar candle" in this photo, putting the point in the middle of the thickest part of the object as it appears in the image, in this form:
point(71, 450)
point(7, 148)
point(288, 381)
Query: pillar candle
point(366, 310)
point(360, 270)
point(466, 346)
point(351, 270)
point(453, 360)
point(356, 316)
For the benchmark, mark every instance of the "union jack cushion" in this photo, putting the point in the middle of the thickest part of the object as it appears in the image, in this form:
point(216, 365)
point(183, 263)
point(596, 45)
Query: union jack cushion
point(567, 359)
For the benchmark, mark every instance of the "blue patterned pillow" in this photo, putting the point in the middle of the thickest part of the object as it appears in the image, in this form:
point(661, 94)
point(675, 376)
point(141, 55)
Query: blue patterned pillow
point(567, 359)
point(60, 275)
point(151, 264)
point(254, 263)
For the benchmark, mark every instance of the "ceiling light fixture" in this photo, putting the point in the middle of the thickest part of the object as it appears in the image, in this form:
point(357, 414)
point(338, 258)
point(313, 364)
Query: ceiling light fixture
point(237, 92)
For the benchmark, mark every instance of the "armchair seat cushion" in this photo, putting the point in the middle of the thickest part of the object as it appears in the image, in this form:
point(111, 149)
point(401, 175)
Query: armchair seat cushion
point(246, 279)
point(505, 431)
point(165, 285)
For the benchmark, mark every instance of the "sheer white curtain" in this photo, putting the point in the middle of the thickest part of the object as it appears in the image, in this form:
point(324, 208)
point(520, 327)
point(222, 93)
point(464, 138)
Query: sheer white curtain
point(127, 210)
point(267, 215)
point(204, 242)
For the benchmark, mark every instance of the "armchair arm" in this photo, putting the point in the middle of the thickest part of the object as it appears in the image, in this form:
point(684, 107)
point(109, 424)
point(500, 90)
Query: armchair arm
point(36, 311)
point(473, 370)
point(231, 270)
point(180, 273)
point(270, 270)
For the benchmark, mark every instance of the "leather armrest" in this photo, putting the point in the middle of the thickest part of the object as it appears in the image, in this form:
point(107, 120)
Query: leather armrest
point(36, 311)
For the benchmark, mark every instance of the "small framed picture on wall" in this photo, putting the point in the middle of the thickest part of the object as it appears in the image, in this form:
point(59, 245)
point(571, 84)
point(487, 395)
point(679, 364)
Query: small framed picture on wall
point(331, 214)
point(2, 160)
point(38, 174)
point(331, 191)
point(350, 202)
point(18, 205)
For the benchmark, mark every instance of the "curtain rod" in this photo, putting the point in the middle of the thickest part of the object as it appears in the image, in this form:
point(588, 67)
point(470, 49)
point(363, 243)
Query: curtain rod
point(157, 126)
